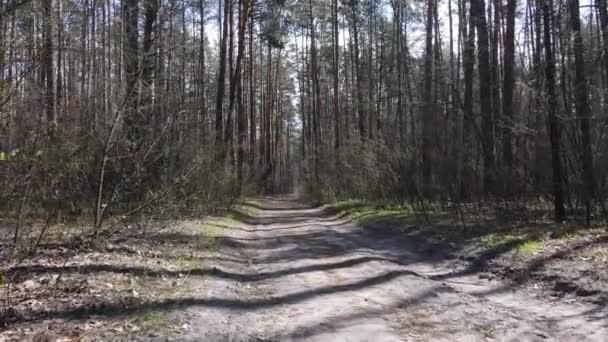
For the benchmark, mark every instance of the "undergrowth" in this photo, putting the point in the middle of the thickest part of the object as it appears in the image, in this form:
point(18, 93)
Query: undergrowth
point(431, 222)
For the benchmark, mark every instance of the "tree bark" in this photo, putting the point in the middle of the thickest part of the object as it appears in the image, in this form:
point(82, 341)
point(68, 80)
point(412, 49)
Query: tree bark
point(203, 77)
point(603, 18)
point(507, 89)
point(583, 110)
point(485, 94)
point(46, 61)
point(336, 68)
point(238, 80)
point(131, 64)
point(221, 84)
point(554, 124)
point(428, 112)
point(358, 103)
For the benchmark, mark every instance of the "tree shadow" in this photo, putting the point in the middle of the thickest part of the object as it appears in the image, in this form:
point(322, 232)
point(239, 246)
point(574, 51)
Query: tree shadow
point(329, 235)
point(21, 273)
point(334, 323)
point(113, 310)
point(271, 207)
point(391, 235)
point(531, 271)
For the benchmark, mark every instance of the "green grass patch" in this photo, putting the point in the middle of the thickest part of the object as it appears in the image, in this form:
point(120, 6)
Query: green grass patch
point(363, 212)
point(348, 205)
point(359, 207)
point(415, 220)
point(239, 214)
point(530, 247)
point(522, 243)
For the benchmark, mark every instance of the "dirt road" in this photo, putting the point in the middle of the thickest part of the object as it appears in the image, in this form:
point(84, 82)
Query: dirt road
point(298, 273)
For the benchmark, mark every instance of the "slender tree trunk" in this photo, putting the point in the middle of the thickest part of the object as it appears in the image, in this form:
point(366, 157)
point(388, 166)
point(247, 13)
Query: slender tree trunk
point(316, 95)
point(495, 79)
point(336, 77)
point(398, 42)
point(59, 83)
point(130, 12)
point(359, 103)
point(203, 77)
point(370, 107)
point(428, 112)
point(485, 94)
point(468, 66)
point(554, 124)
point(267, 114)
point(229, 129)
point(603, 18)
point(3, 27)
point(148, 62)
point(507, 89)
point(583, 110)
point(221, 84)
point(252, 101)
point(46, 61)
point(84, 95)
point(238, 80)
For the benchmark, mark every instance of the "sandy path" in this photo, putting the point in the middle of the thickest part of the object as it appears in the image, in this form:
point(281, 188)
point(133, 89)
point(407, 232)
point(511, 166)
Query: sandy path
point(313, 276)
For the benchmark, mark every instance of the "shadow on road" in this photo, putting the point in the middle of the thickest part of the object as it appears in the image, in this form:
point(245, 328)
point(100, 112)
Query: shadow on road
point(289, 232)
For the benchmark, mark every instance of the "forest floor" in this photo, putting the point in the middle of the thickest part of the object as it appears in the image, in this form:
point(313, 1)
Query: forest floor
point(279, 269)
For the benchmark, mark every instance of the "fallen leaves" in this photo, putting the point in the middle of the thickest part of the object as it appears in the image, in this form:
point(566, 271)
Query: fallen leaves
point(91, 279)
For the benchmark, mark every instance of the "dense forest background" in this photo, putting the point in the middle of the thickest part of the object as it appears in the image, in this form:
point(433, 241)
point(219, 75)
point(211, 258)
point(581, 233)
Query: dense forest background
point(110, 109)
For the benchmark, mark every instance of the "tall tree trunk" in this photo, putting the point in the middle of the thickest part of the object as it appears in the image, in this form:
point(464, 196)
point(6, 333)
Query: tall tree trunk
point(203, 77)
point(84, 94)
point(46, 62)
point(252, 98)
point(398, 11)
point(583, 110)
point(336, 68)
point(267, 114)
point(3, 27)
point(554, 124)
point(603, 18)
point(59, 83)
point(507, 88)
point(370, 107)
point(130, 12)
point(238, 80)
point(494, 63)
point(148, 62)
point(221, 84)
point(468, 61)
point(428, 112)
point(358, 103)
point(316, 95)
point(485, 94)
point(229, 129)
